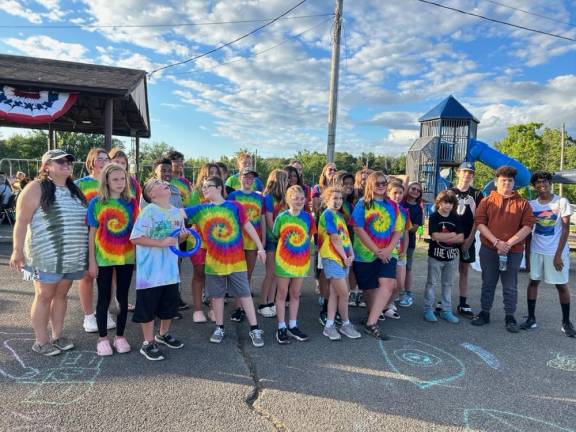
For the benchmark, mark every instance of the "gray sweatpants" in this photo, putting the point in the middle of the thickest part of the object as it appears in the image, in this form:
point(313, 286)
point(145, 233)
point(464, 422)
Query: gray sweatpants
point(440, 274)
point(489, 263)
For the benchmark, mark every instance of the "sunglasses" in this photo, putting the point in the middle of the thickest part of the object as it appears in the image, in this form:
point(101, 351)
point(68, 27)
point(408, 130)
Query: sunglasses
point(62, 161)
point(416, 189)
point(381, 184)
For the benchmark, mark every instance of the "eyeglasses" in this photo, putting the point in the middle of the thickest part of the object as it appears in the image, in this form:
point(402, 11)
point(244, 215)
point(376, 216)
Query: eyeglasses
point(416, 189)
point(381, 184)
point(102, 160)
point(207, 185)
point(332, 170)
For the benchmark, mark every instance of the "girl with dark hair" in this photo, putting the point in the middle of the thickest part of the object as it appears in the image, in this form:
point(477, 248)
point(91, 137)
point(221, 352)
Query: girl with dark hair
point(51, 246)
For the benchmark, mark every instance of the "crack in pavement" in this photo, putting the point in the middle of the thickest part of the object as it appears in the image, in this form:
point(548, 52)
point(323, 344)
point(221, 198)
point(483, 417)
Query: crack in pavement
point(258, 390)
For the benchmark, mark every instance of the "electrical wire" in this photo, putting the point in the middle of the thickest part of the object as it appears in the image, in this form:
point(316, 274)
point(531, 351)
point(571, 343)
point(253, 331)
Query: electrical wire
point(256, 54)
point(190, 24)
point(531, 13)
point(257, 29)
point(496, 20)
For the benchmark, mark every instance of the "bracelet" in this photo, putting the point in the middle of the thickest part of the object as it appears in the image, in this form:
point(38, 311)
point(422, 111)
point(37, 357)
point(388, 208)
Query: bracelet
point(496, 242)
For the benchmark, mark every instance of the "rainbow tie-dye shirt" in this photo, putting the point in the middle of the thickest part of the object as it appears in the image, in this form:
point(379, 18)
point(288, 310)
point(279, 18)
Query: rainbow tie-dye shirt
point(380, 222)
point(220, 226)
point(135, 188)
point(234, 182)
point(346, 210)
point(332, 222)
point(89, 187)
point(185, 189)
point(272, 205)
point(253, 204)
point(406, 225)
point(113, 220)
point(294, 235)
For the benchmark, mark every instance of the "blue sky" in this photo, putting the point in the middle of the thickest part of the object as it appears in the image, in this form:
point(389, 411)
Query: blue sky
point(399, 58)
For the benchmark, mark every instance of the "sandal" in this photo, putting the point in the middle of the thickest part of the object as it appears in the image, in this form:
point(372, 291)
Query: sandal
point(374, 331)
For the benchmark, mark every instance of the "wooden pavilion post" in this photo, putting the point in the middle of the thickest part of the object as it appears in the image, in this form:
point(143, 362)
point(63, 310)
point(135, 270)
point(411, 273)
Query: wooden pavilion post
point(108, 122)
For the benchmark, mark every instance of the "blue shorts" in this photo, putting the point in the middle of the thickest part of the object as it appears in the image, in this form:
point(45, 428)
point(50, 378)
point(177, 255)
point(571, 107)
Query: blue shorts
point(270, 245)
point(368, 273)
point(333, 269)
point(31, 274)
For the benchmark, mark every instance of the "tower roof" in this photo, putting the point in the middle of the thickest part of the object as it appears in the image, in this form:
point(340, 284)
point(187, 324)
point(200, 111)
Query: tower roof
point(449, 108)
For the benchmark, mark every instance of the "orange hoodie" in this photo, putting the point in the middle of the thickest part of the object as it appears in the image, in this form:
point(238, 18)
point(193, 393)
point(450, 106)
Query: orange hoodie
point(504, 216)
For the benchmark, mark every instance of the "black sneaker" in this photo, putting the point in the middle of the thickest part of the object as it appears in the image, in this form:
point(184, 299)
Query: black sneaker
point(338, 319)
point(177, 317)
point(183, 306)
point(297, 334)
point(238, 315)
point(375, 332)
point(322, 319)
point(151, 351)
point(511, 324)
point(282, 336)
point(168, 340)
point(438, 307)
point(481, 319)
point(465, 310)
point(568, 329)
point(529, 324)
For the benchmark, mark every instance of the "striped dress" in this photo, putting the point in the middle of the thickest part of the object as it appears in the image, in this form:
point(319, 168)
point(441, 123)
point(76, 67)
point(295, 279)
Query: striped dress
point(57, 240)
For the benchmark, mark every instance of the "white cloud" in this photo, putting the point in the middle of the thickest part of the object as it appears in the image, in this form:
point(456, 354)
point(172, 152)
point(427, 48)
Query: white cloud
point(17, 8)
point(47, 47)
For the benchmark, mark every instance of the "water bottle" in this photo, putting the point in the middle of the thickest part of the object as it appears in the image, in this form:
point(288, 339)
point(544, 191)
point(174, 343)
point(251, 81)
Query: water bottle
point(503, 262)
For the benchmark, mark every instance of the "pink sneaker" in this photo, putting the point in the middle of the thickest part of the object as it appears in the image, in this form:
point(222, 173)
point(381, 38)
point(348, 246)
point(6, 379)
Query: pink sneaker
point(199, 317)
point(103, 348)
point(121, 344)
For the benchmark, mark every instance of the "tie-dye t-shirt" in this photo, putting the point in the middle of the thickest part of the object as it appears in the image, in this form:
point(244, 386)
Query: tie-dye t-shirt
point(135, 188)
point(113, 220)
point(294, 235)
point(89, 187)
point(234, 182)
point(185, 189)
point(156, 266)
point(406, 225)
point(272, 205)
point(346, 210)
point(253, 204)
point(380, 222)
point(332, 222)
point(220, 226)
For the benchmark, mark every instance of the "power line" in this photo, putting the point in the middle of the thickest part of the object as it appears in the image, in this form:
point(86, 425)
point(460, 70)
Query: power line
point(256, 54)
point(546, 17)
point(496, 20)
point(190, 24)
point(257, 29)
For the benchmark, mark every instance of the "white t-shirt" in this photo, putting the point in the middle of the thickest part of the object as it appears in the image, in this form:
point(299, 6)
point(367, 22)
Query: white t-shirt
point(156, 266)
point(548, 227)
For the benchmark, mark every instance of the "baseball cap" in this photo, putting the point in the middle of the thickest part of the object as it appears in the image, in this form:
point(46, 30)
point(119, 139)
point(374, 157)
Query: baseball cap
point(248, 171)
point(468, 166)
point(57, 154)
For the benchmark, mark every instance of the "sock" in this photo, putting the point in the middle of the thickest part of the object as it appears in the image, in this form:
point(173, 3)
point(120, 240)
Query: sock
point(462, 301)
point(281, 325)
point(292, 324)
point(254, 327)
point(329, 323)
point(347, 322)
point(89, 315)
point(531, 308)
point(325, 306)
point(565, 312)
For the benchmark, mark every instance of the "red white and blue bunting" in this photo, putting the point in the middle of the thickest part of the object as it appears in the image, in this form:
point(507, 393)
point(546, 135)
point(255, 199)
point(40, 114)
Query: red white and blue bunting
point(33, 107)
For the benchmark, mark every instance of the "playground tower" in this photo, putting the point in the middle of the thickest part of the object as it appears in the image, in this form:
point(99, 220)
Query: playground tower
point(445, 135)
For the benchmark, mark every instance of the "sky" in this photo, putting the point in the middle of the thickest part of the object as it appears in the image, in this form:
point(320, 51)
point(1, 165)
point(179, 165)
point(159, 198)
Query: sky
point(269, 91)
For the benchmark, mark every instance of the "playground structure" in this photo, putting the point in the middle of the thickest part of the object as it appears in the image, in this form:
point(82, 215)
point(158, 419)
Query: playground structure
point(448, 138)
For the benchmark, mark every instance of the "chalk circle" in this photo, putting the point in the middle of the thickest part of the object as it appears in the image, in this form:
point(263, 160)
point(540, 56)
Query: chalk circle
point(416, 357)
point(188, 253)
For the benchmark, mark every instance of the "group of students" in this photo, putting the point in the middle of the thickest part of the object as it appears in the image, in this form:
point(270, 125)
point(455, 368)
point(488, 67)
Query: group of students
point(363, 227)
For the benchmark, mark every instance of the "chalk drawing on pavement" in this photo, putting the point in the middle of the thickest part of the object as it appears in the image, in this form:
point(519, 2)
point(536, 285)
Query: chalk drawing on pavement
point(502, 421)
point(486, 356)
point(563, 362)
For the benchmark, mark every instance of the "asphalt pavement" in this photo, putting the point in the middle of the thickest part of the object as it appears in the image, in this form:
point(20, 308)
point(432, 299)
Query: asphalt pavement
point(428, 377)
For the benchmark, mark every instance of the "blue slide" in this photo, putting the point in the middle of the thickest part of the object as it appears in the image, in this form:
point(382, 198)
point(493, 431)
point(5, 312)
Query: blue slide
point(482, 152)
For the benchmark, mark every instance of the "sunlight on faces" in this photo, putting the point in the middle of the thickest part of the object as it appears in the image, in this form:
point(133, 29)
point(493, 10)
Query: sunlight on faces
point(396, 193)
point(61, 168)
point(543, 186)
point(292, 178)
point(117, 181)
point(380, 186)
point(163, 172)
point(210, 191)
point(120, 160)
point(466, 176)
point(100, 162)
point(295, 200)
point(445, 207)
point(158, 190)
point(504, 185)
point(298, 167)
point(348, 186)
point(415, 191)
point(335, 200)
point(331, 171)
point(213, 171)
point(178, 167)
point(247, 181)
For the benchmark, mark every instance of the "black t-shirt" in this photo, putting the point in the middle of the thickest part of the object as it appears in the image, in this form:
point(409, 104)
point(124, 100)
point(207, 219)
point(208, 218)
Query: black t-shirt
point(440, 224)
point(467, 204)
point(416, 218)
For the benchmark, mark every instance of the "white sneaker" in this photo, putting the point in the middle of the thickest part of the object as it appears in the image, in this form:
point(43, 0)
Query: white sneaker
point(90, 325)
point(110, 324)
point(391, 313)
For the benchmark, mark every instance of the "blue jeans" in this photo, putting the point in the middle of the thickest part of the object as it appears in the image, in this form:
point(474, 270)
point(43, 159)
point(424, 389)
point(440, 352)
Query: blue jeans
point(440, 273)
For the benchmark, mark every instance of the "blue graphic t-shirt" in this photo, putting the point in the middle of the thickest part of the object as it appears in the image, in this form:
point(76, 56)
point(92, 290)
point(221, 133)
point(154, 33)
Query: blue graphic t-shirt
point(548, 226)
point(156, 266)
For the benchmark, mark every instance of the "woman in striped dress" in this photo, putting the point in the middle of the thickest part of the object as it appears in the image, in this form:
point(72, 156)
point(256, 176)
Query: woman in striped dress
point(51, 246)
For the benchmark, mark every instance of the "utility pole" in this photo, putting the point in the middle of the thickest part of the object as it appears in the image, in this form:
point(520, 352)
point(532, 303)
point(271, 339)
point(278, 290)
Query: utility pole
point(334, 73)
point(562, 135)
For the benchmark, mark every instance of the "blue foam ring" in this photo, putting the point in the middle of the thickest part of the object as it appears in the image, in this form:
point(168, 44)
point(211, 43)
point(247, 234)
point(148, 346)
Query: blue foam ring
point(189, 253)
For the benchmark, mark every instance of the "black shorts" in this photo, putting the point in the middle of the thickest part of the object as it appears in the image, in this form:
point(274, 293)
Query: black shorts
point(471, 254)
point(368, 273)
point(157, 302)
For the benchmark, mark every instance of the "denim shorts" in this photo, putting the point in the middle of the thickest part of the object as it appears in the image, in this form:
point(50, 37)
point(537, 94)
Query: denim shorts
point(333, 269)
point(31, 274)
